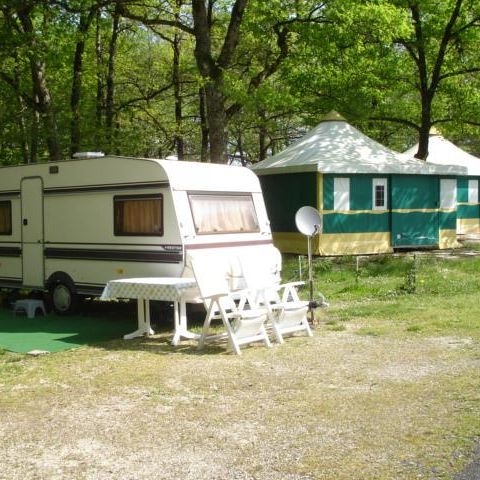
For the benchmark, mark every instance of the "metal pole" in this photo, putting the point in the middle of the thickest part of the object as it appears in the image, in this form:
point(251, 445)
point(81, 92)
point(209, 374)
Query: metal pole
point(310, 277)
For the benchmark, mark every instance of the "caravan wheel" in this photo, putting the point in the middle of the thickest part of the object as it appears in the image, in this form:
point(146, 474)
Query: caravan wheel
point(64, 299)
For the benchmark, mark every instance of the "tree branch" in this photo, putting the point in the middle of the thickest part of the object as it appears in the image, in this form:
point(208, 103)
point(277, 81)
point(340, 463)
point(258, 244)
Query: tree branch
point(447, 36)
point(146, 97)
point(125, 12)
point(459, 72)
point(400, 121)
point(233, 33)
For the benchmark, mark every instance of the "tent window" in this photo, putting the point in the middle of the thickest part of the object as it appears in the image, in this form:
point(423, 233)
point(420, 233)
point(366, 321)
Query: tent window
point(473, 191)
point(6, 218)
point(341, 193)
point(138, 215)
point(379, 194)
point(223, 213)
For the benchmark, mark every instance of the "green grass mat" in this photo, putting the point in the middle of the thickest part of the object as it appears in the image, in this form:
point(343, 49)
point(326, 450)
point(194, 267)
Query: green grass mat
point(53, 333)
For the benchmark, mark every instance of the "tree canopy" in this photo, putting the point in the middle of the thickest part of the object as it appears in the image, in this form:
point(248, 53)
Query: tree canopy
point(210, 80)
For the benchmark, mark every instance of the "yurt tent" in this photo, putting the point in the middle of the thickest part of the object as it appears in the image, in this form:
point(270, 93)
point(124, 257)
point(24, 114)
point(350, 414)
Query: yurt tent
point(372, 199)
point(443, 152)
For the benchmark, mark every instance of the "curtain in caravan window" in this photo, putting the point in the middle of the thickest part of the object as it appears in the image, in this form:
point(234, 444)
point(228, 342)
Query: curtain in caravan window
point(341, 193)
point(138, 215)
point(5, 218)
point(228, 213)
point(473, 191)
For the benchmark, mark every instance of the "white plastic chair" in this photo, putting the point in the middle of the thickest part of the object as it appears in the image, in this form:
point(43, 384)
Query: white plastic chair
point(286, 312)
point(243, 326)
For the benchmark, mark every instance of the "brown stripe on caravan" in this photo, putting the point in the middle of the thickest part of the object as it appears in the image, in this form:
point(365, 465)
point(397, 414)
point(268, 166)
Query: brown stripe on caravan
point(10, 252)
point(10, 193)
point(11, 282)
point(103, 254)
point(106, 187)
point(195, 246)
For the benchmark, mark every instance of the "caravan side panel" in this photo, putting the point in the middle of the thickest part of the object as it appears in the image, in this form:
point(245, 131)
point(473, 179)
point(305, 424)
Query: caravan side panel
point(81, 239)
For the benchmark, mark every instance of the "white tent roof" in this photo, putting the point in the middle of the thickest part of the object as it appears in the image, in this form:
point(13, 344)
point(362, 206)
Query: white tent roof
point(334, 146)
point(442, 152)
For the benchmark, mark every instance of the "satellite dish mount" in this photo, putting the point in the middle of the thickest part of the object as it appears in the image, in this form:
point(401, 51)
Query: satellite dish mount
point(309, 222)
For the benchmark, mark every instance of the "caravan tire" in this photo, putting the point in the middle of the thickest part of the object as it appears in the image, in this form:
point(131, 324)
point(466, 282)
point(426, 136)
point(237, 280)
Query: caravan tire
point(64, 299)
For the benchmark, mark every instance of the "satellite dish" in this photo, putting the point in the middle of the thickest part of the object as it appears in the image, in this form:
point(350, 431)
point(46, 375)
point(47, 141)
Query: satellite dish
point(308, 221)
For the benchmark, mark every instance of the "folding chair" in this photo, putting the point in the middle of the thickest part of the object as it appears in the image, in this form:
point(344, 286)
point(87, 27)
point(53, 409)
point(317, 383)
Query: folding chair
point(243, 326)
point(286, 312)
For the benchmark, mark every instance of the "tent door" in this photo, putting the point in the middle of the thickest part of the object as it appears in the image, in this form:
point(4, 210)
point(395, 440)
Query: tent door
point(32, 232)
point(414, 210)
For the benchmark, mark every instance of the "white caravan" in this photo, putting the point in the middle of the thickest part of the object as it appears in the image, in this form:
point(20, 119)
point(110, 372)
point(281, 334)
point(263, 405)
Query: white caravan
point(69, 227)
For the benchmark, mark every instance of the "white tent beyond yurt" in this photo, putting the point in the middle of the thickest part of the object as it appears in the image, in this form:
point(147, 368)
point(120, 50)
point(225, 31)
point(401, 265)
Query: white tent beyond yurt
point(372, 199)
point(442, 152)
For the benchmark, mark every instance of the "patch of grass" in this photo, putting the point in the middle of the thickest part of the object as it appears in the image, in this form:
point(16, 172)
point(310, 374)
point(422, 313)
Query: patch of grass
point(369, 332)
point(442, 296)
point(336, 327)
point(414, 328)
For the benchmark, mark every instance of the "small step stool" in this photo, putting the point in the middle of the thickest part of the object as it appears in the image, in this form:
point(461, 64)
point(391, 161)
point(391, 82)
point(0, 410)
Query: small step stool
point(29, 306)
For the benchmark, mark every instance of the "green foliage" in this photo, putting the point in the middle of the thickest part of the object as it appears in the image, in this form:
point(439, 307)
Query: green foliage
point(295, 61)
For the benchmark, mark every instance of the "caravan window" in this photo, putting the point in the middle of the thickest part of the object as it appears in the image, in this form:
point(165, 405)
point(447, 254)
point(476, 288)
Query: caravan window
point(223, 213)
point(6, 218)
point(138, 215)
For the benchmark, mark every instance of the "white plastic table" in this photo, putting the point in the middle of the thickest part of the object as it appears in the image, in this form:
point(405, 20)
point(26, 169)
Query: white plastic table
point(155, 288)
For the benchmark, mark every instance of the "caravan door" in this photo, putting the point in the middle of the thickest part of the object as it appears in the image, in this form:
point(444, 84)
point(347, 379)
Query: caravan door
point(32, 232)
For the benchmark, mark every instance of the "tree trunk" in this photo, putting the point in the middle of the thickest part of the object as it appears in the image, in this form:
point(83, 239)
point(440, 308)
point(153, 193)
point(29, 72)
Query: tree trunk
point(75, 135)
point(99, 104)
point(212, 70)
point(34, 134)
point(23, 130)
point(110, 98)
point(203, 127)
point(424, 130)
point(46, 108)
point(179, 144)
point(40, 87)
point(262, 137)
point(215, 103)
point(23, 109)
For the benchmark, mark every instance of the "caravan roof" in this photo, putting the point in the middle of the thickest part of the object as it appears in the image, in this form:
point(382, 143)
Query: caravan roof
point(180, 175)
point(209, 176)
point(334, 146)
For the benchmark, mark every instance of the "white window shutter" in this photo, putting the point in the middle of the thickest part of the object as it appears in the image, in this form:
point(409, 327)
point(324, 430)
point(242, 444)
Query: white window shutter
point(341, 193)
point(473, 191)
point(448, 193)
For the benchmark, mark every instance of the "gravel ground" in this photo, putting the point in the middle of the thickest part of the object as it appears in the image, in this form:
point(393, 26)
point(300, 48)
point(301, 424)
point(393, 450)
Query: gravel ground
point(335, 406)
point(472, 470)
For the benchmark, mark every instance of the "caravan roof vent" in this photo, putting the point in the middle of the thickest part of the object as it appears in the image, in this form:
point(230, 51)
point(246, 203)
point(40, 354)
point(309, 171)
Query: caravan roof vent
point(88, 155)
